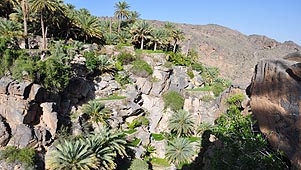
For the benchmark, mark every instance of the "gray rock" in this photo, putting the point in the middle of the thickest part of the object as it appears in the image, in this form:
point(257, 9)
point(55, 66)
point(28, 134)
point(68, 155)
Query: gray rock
point(4, 134)
point(19, 88)
point(49, 117)
point(4, 83)
point(37, 93)
point(21, 136)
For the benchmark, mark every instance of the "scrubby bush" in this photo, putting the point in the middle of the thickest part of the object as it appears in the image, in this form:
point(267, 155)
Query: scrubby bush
point(96, 111)
point(141, 68)
point(173, 100)
point(190, 73)
point(54, 74)
point(21, 65)
point(242, 146)
point(125, 58)
point(24, 155)
point(138, 164)
point(179, 59)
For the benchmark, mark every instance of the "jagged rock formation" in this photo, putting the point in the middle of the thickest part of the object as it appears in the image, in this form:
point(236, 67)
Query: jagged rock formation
point(275, 94)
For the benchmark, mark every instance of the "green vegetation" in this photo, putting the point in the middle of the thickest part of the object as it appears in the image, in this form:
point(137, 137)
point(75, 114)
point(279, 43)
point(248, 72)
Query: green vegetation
point(181, 123)
point(179, 151)
point(95, 151)
point(96, 111)
point(190, 73)
point(112, 97)
point(207, 98)
point(24, 155)
point(141, 68)
point(138, 164)
point(139, 121)
point(159, 162)
point(173, 100)
point(238, 137)
point(157, 137)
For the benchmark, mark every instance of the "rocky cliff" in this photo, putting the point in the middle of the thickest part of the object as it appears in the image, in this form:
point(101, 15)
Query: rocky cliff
point(275, 96)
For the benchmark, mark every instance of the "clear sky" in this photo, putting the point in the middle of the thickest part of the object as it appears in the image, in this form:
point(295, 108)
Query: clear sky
point(277, 19)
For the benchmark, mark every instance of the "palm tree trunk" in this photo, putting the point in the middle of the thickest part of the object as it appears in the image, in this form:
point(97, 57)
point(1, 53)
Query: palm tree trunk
point(110, 25)
point(25, 13)
point(175, 46)
point(119, 24)
point(142, 41)
point(43, 32)
point(155, 47)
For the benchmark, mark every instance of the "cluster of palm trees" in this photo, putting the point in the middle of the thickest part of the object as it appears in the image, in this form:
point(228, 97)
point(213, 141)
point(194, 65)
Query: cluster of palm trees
point(53, 18)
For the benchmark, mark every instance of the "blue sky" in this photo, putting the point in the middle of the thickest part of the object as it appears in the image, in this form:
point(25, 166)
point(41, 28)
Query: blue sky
point(277, 19)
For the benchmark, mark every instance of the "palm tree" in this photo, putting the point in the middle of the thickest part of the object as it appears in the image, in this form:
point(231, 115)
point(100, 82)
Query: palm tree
point(181, 123)
point(133, 16)
point(72, 155)
point(41, 7)
point(158, 37)
point(10, 28)
point(179, 150)
point(121, 11)
point(111, 39)
point(107, 144)
point(141, 32)
point(90, 25)
point(96, 111)
point(177, 35)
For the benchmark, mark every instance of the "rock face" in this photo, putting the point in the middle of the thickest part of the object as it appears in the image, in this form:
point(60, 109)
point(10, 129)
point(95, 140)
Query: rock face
point(275, 98)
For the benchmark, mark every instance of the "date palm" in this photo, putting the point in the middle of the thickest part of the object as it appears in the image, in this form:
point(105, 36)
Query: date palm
point(141, 31)
point(72, 155)
point(121, 11)
point(10, 28)
point(158, 37)
point(177, 35)
point(89, 25)
point(179, 150)
point(181, 123)
point(42, 7)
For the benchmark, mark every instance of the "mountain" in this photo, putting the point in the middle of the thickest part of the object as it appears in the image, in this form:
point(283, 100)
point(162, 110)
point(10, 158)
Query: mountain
point(234, 53)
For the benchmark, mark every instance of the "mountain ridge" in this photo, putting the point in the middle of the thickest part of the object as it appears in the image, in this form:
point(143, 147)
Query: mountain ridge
point(233, 52)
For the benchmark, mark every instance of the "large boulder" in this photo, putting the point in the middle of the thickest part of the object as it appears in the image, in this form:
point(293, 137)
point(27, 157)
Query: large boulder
point(275, 98)
point(4, 133)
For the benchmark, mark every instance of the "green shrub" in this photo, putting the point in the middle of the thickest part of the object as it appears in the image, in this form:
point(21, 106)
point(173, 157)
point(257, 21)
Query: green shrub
point(207, 98)
point(98, 62)
point(122, 79)
point(197, 66)
point(190, 73)
point(54, 74)
point(24, 155)
point(235, 99)
point(209, 74)
point(173, 100)
point(160, 162)
point(138, 164)
point(125, 58)
point(141, 68)
point(97, 111)
point(139, 121)
point(242, 147)
point(157, 137)
point(179, 59)
point(21, 64)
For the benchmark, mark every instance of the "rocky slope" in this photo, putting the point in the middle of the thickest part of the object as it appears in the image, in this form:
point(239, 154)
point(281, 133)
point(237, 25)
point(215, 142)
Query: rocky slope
point(234, 53)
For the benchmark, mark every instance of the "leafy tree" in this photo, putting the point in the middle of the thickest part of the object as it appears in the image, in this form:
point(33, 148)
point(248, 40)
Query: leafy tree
point(141, 32)
point(72, 155)
point(181, 123)
point(121, 11)
point(179, 151)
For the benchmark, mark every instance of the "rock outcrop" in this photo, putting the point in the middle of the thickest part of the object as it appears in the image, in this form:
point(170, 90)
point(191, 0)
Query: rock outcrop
point(275, 98)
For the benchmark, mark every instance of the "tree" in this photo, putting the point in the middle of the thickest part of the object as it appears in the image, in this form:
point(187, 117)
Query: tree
point(89, 25)
point(158, 37)
point(72, 155)
point(42, 7)
point(177, 35)
point(179, 150)
point(10, 28)
point(121, 11)
point(133, 16)
point(181, 123)
point(25, 12)
point(141, 32)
